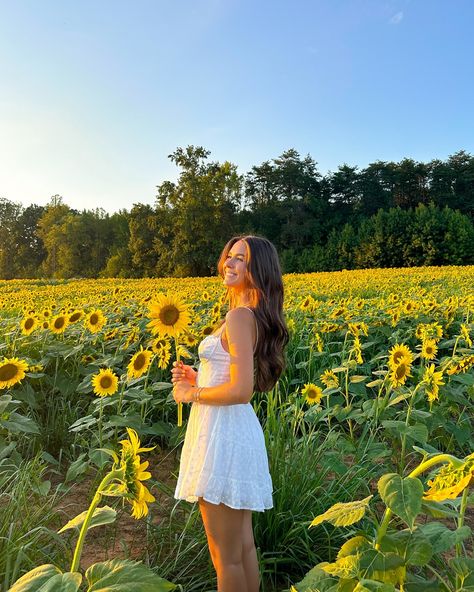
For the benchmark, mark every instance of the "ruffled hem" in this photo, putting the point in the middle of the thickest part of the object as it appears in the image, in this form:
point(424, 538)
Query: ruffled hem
point(234, 493)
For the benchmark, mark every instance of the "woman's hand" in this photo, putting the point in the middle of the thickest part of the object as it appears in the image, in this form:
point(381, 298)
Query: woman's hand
point(183, 392)
point(183, 373)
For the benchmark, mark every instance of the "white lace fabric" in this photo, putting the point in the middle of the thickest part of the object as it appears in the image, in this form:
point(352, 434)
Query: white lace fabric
point(223, 459)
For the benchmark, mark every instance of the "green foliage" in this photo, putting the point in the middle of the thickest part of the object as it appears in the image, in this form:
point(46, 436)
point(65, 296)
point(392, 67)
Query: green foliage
point(386, 215)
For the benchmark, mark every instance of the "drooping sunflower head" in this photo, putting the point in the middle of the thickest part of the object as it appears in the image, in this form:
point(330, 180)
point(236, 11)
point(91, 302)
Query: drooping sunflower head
point(12, 371)
point(329, 379)
point(312, 393)
point(169, 316)
point(450, 481)
point(135, 472)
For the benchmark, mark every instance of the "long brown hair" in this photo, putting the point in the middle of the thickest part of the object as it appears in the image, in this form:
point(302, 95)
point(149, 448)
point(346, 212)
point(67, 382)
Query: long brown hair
point(265, 291)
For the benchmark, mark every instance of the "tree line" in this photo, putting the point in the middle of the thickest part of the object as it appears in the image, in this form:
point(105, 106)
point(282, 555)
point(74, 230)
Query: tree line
point(387, 214)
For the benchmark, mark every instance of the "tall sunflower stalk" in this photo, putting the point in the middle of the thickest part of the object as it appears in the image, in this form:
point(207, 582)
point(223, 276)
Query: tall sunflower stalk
point(169, 316)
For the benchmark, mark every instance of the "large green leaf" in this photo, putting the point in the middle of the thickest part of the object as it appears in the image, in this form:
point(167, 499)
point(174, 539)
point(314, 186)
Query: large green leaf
point(343, 514)
point(441, 537)
point(373, 586)
point(372, 561)
point(402, 495)
point(124, 576)
point(414, 547)
point(47, 578)
point(317, 579)
point(102, 515)
point(465, 569)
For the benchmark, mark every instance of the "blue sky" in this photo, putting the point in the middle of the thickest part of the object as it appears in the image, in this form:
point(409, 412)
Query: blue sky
point(94, 96)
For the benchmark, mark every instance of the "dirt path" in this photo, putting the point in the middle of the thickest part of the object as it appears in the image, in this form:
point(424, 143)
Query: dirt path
point(126, 537)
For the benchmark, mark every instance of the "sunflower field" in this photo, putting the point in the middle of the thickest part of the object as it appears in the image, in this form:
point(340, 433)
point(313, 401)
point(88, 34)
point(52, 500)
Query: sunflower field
point(369, 434)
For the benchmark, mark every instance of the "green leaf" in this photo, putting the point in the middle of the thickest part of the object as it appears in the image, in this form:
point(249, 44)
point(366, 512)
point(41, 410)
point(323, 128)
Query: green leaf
point(354, 546)
point(317, 579)
point(66, 582)
point(76, 468)
point(402, 495)
point(438, 509)
point(373, 586)
point(414, 547)
point(465, 569)
point(17, 423)
point(102, 515)
point(124, 576)
point(34, 580)
point(374, 561)
point(343, 514)
point(441, 537)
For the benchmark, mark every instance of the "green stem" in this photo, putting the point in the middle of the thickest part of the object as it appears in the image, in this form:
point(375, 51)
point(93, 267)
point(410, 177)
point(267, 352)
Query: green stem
point(90, 512)
point(462, 512)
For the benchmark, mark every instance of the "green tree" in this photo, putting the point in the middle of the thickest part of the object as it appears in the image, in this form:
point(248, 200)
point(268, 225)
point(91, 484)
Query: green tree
point(200, 211)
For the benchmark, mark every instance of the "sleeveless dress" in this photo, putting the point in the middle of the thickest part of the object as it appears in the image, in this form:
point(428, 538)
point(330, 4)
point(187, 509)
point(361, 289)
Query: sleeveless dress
point(223, 459)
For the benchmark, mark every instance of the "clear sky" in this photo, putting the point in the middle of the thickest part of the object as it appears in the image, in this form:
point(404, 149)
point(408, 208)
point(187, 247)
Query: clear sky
point(94, 95)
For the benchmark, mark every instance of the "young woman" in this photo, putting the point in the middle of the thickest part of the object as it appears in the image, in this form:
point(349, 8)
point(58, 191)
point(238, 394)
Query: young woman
point(224, 464)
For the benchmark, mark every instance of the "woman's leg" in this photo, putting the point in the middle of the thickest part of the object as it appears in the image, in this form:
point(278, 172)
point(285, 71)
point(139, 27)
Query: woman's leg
point(249, 554)
point(224, 529)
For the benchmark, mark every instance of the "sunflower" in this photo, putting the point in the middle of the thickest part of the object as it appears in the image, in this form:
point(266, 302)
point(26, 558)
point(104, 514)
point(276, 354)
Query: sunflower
point(28, 324)
point(134, 472)
point(329, 379)
point(58, 324)
point(164, 358)
point(429, 349)
point(431, 381)
point(420, 331)
point(312, 392)
point(400, 373)
point(450, 481)
point(45, 325)
point(319, 342)
point(12, 371)
point(465, 334)
point(139, 363)
point(95, 320)
point(159, 344)
point(399, 353)
point(190, 339)
point(105, 383)
point(169, 316)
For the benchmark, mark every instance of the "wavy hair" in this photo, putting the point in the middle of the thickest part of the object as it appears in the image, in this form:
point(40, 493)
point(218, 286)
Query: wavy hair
point(265, 295)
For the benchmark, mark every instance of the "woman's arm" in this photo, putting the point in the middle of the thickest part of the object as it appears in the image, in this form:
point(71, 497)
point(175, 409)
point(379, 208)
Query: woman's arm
point(240, 328)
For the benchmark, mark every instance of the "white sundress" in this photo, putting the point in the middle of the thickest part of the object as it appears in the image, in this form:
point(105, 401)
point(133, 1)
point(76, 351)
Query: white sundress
point(223, 459)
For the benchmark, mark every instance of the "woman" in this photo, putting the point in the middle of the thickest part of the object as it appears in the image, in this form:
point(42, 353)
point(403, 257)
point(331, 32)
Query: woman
point(224, 464)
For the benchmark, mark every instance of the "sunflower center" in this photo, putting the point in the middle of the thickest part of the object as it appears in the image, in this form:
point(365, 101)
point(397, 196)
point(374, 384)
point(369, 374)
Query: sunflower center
point(169, 315)
point(105, 382)
point(59, 323)
point(397, 356)
point(139, 362)
point(8, 371)
point(75, 317)
point(29, 323)
point(94, 319)
point(400, 371)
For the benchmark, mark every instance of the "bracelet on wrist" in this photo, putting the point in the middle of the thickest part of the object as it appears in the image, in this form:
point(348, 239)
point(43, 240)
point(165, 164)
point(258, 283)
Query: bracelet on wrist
point(197, 394)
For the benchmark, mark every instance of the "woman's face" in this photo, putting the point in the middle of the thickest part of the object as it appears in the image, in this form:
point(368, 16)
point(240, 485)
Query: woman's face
point(235, 266)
